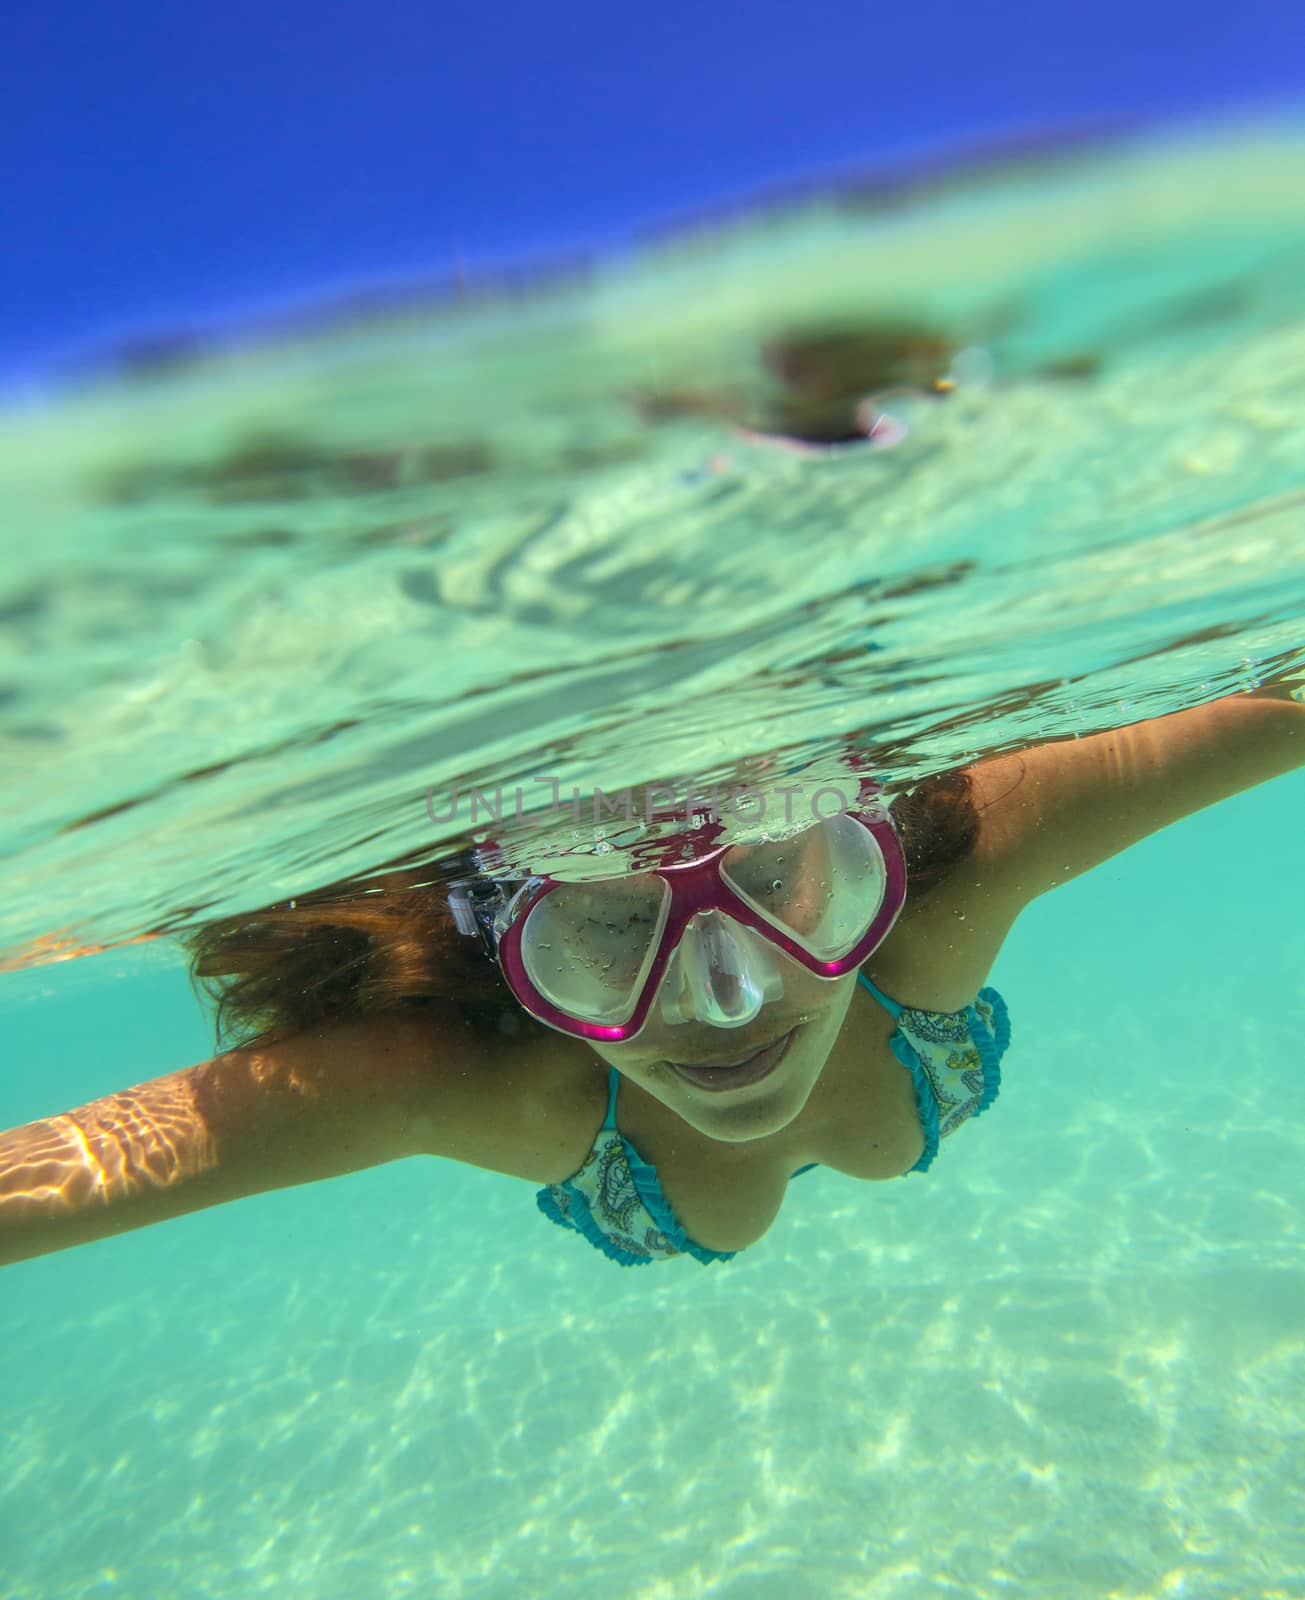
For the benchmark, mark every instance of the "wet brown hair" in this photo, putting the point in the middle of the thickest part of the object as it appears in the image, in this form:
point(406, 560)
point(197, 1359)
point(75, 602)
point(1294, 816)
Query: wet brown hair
point(386, 941)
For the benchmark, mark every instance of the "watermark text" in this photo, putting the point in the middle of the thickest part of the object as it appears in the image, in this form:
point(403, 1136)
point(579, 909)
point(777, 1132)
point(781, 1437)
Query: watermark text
point(693, 803)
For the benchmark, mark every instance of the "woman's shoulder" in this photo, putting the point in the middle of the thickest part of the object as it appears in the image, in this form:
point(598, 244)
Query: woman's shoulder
point(944, 944)
point(520, 1101)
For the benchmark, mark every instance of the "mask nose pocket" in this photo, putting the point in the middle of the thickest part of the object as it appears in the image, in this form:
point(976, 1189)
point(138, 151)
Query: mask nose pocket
point(720, 973)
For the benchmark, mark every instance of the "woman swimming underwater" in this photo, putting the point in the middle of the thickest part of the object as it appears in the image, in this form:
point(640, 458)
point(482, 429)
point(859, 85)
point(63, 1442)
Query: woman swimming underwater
point(659, 1053)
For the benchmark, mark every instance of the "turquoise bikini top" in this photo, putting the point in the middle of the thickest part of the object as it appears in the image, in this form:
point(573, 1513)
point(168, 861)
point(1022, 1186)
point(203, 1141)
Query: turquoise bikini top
point(615, 1200)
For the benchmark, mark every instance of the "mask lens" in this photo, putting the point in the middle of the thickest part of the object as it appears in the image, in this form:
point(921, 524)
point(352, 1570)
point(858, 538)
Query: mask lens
point(588, 948)
point(822, 887)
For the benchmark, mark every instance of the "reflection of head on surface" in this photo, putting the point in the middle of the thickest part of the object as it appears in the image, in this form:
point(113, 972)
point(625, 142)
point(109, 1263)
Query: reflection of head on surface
point(644, 827)
point(385, 941)
point(811, 380)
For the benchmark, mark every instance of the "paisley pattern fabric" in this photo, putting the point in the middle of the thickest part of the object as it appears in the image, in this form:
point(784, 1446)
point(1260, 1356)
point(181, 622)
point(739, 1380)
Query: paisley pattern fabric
point(954, 1058)
point(615, 1200)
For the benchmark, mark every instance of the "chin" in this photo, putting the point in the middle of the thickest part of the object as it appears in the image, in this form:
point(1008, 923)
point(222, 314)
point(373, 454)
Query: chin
point(744, 1124)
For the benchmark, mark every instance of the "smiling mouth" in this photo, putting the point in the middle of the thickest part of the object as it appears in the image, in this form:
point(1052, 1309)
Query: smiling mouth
point(736, 1075)
point(738, 1061)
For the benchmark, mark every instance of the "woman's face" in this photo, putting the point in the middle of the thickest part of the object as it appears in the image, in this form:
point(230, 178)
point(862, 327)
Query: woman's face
point(812, 1009)
point(739, 1106)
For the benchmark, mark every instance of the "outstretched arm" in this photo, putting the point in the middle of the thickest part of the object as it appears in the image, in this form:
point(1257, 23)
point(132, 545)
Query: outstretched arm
point(1054, 811)
point(345, 1096)
point(1051, 813)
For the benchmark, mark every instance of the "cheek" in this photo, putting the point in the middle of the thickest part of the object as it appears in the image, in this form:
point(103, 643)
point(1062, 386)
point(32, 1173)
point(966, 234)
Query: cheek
point(637, 1064)
point(823, 1000)
point(828, 1013)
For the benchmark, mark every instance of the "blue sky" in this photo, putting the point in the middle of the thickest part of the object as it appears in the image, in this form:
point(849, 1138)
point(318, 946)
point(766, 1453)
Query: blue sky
point(164, 166)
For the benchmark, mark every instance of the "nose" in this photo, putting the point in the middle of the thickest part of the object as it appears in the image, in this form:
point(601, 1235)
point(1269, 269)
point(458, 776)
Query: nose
point(720, 974)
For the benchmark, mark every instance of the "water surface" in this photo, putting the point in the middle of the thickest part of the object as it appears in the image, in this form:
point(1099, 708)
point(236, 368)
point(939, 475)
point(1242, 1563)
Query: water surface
point(257, 606)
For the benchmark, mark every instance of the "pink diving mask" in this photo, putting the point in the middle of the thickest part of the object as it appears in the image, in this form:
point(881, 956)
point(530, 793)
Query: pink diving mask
point(708, 938)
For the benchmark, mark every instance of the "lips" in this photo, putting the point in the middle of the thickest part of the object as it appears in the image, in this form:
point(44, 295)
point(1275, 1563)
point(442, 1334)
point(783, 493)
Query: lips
point(752, 1070)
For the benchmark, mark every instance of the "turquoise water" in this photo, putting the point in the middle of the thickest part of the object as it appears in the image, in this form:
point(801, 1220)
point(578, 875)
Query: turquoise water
point(1068, 1360)
point(256, 607)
